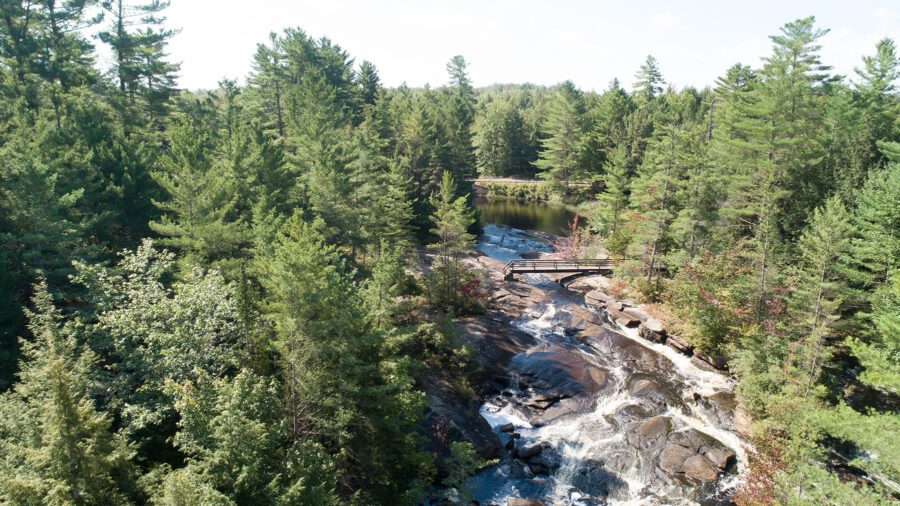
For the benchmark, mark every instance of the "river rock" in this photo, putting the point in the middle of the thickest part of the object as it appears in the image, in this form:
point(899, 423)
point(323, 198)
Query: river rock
point(507, 427)
point(524, 452)
point(655, 427)
point(601, 299)
point(709, 362)
point(622, 318)
point(515, 501)
point(636, 313)
point(699, 468)
point(653, 330)
point(694, 456)
point(517, 469)
point(554, 372)
point(651, 432)
point(594, 479)
point(679, 344)
point(538, 469)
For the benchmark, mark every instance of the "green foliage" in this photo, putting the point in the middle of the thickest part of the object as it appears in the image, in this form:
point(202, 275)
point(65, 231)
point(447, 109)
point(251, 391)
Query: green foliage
point(529, 192)
point(462, 465)
point(57, 447)
point(232, 430)
point(562, 156)
point(451, 285)
point(502, 144)
point(278, 362)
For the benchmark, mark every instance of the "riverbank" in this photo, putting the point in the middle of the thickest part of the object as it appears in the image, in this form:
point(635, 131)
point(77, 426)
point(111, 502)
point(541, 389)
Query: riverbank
point(582, 407)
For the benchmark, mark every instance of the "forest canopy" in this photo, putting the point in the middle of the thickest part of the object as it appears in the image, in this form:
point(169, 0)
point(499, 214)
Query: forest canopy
point(215, 297)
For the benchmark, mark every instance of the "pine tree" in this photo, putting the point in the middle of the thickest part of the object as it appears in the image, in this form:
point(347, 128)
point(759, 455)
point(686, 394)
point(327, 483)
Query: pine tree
point(460, 115)
point(57, 447)
point(368, 84)
point(138, 43)
point(612, 202)
point(381, 290)
point(232, 430)
point(452, 219)
point(820, 283)
point(648, 80)
point(500, 140)
point(876, 250)
point(697, 193)
point(652, 199)
point(267, 84)
point(199, 199)
point(560, 160)
point(771, 148)
point(308, 296)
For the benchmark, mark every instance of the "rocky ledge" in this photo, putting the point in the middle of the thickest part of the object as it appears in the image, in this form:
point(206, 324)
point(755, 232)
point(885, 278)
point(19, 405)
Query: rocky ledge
point(630, 315)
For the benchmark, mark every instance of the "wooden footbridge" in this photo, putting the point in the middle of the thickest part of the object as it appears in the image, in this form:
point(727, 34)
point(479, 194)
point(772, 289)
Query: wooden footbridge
point(581, 266)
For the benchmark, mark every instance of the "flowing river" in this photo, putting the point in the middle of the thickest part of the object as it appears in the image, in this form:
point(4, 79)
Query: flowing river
point(616, 419)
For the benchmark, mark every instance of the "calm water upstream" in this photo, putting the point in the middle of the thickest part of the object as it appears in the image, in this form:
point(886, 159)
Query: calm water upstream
point(524, 215)
point(624, 410)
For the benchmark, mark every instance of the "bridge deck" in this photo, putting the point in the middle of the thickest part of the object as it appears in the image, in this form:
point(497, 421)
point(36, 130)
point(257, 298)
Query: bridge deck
point(514, 267)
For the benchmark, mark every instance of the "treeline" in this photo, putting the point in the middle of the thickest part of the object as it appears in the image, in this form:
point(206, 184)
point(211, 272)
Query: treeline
point(211, 296)
point(764, 214)
point(214, 298)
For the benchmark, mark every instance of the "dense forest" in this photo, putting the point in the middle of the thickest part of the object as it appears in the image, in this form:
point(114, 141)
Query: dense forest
point(217, 297)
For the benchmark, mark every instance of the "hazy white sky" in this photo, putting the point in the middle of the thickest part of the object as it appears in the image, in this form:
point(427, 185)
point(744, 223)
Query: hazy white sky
point(543, 42)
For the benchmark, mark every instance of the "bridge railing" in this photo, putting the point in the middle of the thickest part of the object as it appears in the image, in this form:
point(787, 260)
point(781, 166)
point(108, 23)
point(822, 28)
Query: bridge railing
point(556, 265)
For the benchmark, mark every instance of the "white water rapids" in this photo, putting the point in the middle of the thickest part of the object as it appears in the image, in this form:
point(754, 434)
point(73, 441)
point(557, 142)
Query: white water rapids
point(594, 462)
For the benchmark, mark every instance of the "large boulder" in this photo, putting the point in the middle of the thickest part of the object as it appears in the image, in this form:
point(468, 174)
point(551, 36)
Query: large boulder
point(695, 456)
point(710, 362)
point(653, 330)
point(699, 468)
point(651, 432)
point(601, 299)
point(679, 344)
point(622, 318)
point(554, 372)
point(653, 395)
point(526, 451)
point(636, 312)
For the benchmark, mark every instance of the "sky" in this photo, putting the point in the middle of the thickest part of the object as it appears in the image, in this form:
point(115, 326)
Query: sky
point(516, 41)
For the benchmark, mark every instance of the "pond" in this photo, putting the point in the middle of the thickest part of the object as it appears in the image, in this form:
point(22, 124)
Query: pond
point(524, 215)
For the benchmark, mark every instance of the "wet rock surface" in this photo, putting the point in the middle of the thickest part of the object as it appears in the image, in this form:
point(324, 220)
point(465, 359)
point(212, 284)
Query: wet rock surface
point(589, 414)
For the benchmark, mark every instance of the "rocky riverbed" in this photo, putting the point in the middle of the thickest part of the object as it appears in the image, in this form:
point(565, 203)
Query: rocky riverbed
point(589, 400)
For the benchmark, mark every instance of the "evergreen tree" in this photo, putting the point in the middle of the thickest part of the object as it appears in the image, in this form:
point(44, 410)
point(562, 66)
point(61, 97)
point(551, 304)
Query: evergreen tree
point(58, 448)
point(500, 141)
point(561, 158)
point(452, 219)
point(612, 203)
point(820, 283)
point(232, 430)
point(138, 43)
point(368, 83)
point(199, 199)
point(460, 115)
point(648, 80)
